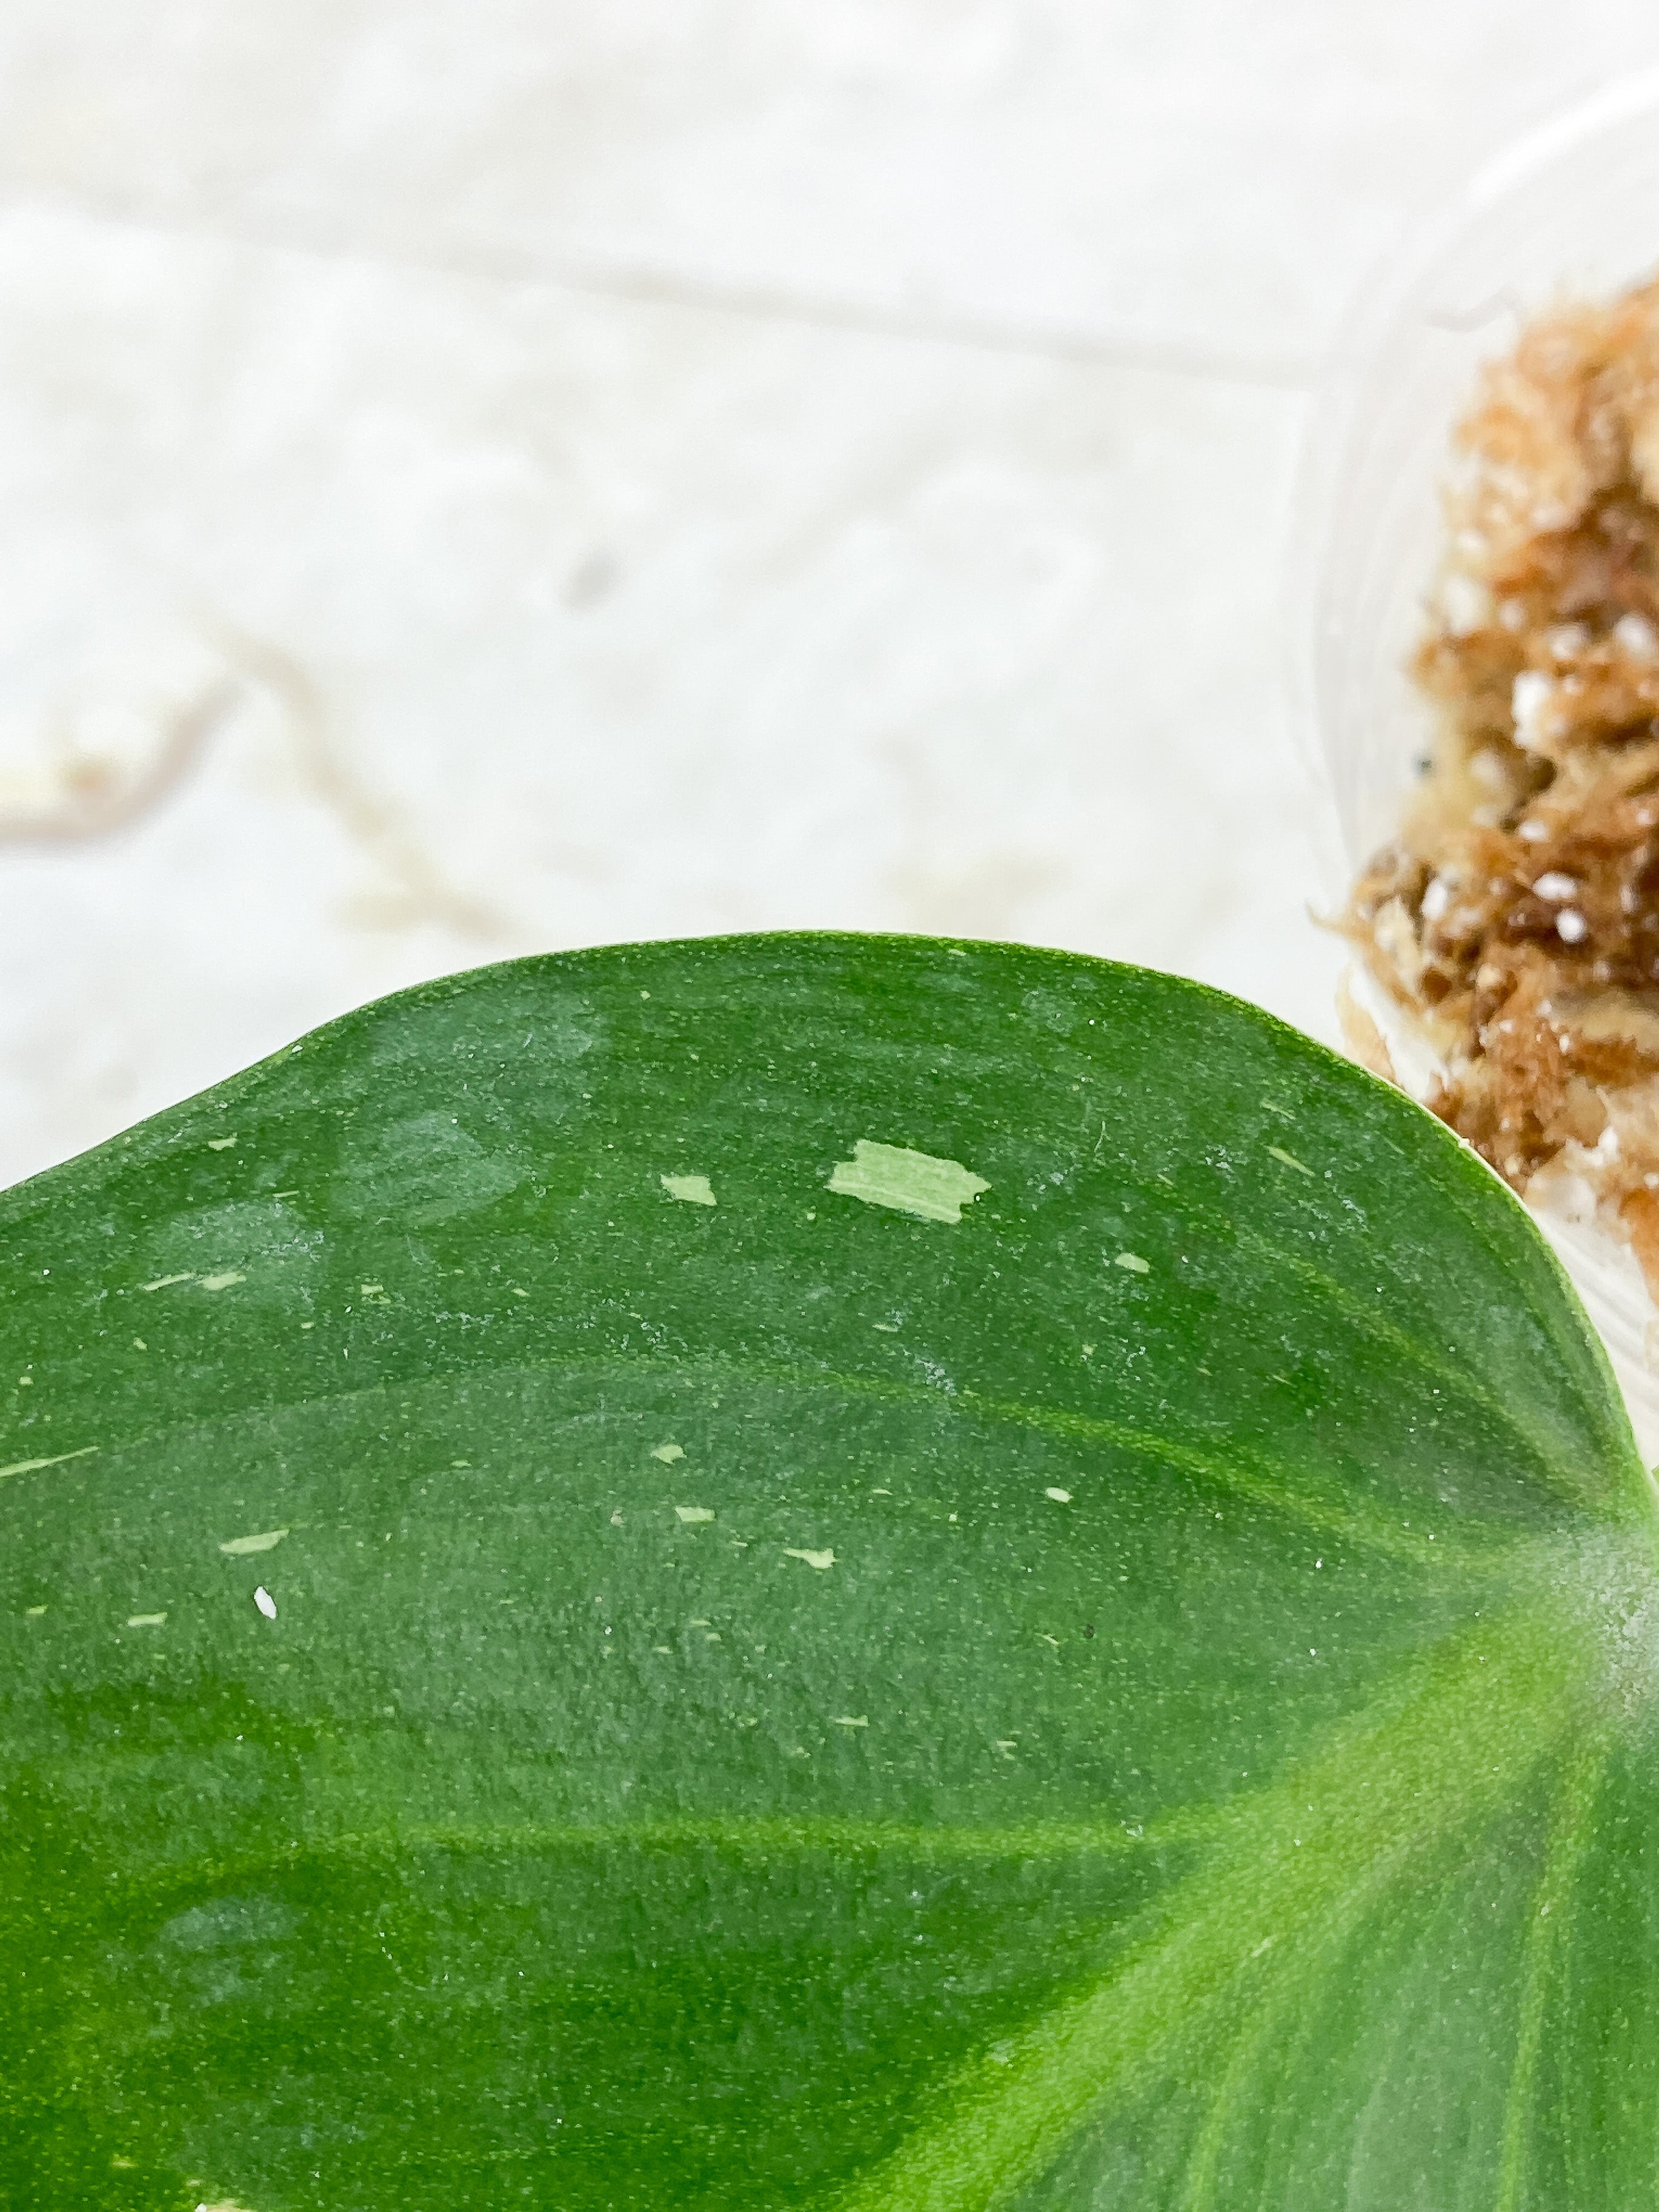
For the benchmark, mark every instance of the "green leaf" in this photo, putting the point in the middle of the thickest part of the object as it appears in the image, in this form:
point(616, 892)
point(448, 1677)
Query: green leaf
point(841, 1573)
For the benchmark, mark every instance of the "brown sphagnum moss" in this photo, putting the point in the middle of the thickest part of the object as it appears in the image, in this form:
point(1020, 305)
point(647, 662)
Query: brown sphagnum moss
point(1516, 917)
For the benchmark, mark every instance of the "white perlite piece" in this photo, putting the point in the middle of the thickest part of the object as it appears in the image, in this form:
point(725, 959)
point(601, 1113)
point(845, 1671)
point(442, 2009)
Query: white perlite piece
point(266, 1603)
point(696, 1190)
point(909, 1182)
point(1466, 603)
point(1529, 699)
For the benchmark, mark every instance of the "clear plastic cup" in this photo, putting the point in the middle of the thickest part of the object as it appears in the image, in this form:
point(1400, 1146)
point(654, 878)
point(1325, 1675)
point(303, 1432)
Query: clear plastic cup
point(1572, 210)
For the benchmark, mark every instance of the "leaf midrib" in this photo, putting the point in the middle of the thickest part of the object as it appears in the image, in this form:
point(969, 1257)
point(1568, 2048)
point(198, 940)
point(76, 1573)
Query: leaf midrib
point(996, 2127)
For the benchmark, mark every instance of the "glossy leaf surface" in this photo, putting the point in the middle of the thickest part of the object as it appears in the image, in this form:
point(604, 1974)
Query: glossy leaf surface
point(844, 1572)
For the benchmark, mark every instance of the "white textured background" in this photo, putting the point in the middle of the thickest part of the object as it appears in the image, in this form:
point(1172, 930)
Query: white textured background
point(478, 476)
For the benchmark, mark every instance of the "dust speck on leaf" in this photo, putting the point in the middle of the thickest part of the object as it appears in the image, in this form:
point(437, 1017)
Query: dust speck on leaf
point(819, 1559)
point(1059, 1497)
point(1133, 1263)
point(165, 1282)
point(266, 1603)
point(849, 1720)
point(694, 1513)
point(667, 1453)
point(909, 1182)
point(220, 1144)
point(1290, 1159)
point(147, 1621)
point(693, 1189)
point(222, 1282)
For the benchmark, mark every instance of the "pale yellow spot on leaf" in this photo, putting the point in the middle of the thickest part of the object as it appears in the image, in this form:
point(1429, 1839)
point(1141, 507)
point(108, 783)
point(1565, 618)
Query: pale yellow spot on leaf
point(222, 1282)
point(694, 1189)
point(1059, 1497)
point(146, 1621)
point(1133, 1263)
point(28, 1466)
point(908, 1182)
point(819, 1559)
point(220, 1144)
point(667, 1453)
point(1288, 1159)
point(849, 1720)
point(163, 1282)
point(240, 1547)
point(695, 1512)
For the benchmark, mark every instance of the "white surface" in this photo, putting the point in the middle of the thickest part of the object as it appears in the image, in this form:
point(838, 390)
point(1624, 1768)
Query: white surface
point(477, 478)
